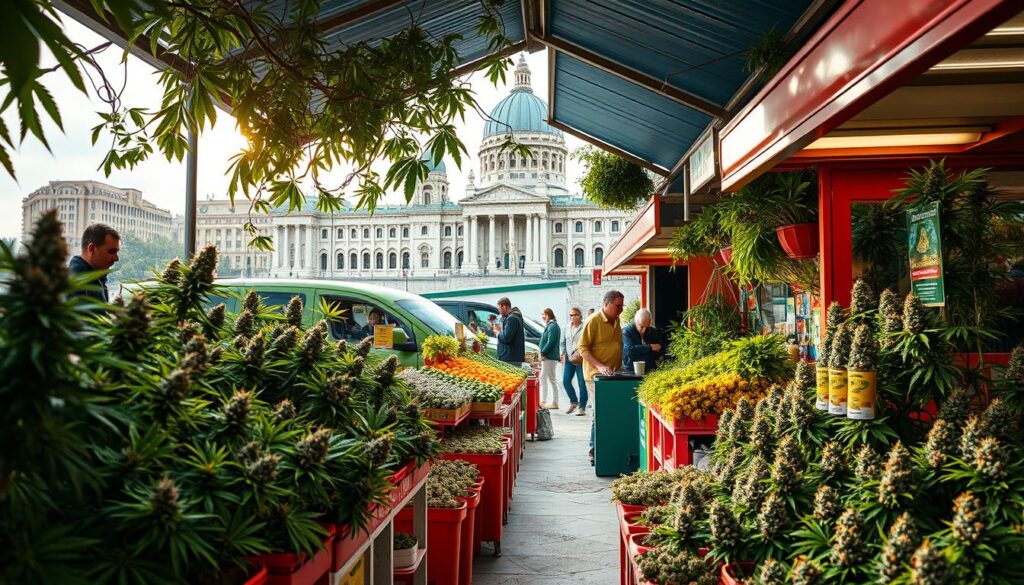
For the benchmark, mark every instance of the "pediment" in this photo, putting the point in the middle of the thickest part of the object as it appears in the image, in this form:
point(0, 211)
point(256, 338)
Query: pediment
point(503, 193)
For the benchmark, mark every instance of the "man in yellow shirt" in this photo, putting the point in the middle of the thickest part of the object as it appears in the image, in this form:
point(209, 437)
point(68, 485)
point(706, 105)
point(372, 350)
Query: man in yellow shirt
point(601, 348)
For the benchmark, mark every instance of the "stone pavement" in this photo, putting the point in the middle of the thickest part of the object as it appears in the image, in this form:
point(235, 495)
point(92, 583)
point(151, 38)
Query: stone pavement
point(562, 529)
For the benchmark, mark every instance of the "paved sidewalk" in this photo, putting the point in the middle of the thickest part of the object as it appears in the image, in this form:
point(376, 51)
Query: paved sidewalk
point(562, 528)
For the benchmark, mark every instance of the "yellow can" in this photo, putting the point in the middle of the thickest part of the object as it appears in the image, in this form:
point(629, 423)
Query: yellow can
point(837, 390)
point(862, 390)
point(821, 377)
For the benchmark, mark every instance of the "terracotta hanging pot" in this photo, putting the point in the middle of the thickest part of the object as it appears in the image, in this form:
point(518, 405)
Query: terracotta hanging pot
point(725, 255)
point(799, 240)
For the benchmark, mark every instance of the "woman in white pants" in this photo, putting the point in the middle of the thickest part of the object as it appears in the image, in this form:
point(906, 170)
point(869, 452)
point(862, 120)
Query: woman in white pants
point(549, 341)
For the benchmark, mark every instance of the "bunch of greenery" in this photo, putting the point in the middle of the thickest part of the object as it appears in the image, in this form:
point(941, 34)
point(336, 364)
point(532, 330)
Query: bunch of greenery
point(438, 346)
point(450, 480)
point(703, 330)
point(647, 488)
point(480, 391)
point(703, 236)
point(611, 181)
point(404, 541)
point(431, 391)
point(497, 364)
point(474, 439)
point(629, 311)
point(663, 565)
point(175, 438)
point(305, 105)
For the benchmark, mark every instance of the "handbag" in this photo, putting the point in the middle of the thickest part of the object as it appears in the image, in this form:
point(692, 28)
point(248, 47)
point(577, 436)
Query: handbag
point(576, 358)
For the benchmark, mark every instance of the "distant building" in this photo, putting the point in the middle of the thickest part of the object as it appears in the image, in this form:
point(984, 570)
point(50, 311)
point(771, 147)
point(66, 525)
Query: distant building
point(80, 203)
point(221, 223)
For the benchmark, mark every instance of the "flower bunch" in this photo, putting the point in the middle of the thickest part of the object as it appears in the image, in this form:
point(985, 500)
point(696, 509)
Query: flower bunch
point(714, 395)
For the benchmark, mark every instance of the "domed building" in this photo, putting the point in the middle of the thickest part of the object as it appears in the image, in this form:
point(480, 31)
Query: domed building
point(516, 217)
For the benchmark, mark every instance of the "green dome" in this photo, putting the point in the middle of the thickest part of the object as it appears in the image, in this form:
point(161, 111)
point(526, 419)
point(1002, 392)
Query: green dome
point(520, 111)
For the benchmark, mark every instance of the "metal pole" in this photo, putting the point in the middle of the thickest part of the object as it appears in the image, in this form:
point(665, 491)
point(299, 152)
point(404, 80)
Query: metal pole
point(191, 164)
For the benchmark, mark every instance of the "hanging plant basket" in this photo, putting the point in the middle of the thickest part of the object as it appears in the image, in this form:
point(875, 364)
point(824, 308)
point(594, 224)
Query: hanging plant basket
point(725, 255)
point(799, 240)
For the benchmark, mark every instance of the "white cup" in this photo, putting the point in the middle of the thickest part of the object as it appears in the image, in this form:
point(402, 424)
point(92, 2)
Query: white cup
point(640, 368)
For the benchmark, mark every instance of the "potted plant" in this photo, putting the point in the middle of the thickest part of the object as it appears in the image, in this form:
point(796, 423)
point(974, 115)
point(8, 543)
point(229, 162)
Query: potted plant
point(438, 348)
point(479, 342)
point(611, 181)
point(793, 207)
point(404, 554)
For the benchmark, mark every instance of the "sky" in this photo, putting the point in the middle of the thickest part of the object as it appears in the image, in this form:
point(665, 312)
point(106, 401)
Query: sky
point(73, 157)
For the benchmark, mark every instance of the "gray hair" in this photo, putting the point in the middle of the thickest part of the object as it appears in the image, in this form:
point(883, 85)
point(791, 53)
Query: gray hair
point(641, 315)
point(612, 296)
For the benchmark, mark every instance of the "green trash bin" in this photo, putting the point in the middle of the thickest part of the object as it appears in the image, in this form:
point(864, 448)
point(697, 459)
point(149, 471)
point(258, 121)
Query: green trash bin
point(616, 435)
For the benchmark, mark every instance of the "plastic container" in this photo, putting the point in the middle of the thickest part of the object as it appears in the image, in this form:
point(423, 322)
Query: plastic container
point(491, 466)
point(468, 537)
point(444, 539)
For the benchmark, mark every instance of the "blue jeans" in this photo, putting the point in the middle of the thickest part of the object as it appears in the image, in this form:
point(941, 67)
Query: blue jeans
point(570, 371)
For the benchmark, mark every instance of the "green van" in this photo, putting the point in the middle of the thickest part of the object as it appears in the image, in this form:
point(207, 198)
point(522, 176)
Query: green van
point(414, 317)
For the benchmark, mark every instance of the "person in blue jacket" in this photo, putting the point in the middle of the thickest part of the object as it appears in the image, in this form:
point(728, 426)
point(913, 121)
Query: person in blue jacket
point(511, 342)
point(641, 342)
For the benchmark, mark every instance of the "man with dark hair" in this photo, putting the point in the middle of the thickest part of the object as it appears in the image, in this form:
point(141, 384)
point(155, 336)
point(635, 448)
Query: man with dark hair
point(100, 246)
point(510, 335)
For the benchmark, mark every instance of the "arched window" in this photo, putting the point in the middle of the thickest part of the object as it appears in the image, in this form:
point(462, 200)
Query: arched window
point(426, 198)
point(578, 258)
point(598, 256)
point(405, 260)
point(458, 258)
point(323, 261)
point(501, 164)
point(392, 261)
point(579, 227)
point(353, 262)
point(559, 258)
point(405, 232)
point(615, 226)
point(447, 260)
point(366, 233)
point(424, 259)
point(423, 231)
point(380, 261)
point(366, 260)
point(391, 232)
point(341, 261)
point(558, 227)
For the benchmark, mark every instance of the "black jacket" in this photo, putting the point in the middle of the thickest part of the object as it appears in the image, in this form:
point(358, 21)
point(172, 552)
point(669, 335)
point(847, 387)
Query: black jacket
point(511, 342)
point(637, 348)
point(78, 265)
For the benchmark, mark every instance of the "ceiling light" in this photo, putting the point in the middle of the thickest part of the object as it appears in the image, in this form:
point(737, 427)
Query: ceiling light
point(994, 64)
point(889, 140)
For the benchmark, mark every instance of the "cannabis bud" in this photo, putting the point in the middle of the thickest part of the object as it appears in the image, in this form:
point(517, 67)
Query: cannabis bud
point(868, 464)
point(915, 319)
point(1015, 367)
point(834, 315)
point(864, 351)
point(357, 366)
point(294, 311)
point(898, 549)
point(956, 408)
point(364, 348)
point(264, 470)
point(385, 373)
point(771, 572)
point(991, 459)
point(215, 355)
point(724, 425)
point(172, 272)
point(847, 544)
point(251, 302)
point(805, 378)
point(285, 410)
point(762, 434)
point(236, 410)
point(968, 518)
point(255, 351)
point(897, 476)
point(174, 388)
point(826, 503)
point(805, 572)
point(285, 341)
point(789, 464)
point(999, 421)
point(929, 566)
point(889, 304)
point(378, 450)
point(862, 298)
point(772, 518)
point(972, 435)
point(132, 324)
point(799, 406)
point(249, 453)
point(215, 315)
point(312, 450)
point(942, 443)
point(839, 353)
point(337, 389)
point(163, 500)
point(186, 331)
point(118, 301)
point(833, 460)
point(245, 323)
point(313, 344)
point(204, 264)
point(341, 347)
point(825, 347)
point(725, 528)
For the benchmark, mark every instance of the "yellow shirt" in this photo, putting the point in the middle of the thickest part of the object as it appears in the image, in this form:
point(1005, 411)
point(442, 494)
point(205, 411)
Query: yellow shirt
point(602, 339)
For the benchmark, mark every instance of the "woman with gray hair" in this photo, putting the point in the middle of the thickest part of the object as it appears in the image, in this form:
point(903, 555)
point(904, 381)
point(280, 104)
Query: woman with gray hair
point(641, 342)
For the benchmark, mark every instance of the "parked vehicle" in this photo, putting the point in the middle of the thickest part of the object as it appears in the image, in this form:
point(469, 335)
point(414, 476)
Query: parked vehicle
point(479, 313)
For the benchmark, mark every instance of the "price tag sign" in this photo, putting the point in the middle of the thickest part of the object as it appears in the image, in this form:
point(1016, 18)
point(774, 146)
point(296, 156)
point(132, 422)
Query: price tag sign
point(383, 336)
point(460, 331)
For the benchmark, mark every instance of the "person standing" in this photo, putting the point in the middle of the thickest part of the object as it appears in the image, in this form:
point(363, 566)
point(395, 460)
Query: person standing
point(511, 342)
point(100, 247)
point(641, 342)
point(571, 371)
point(549, 360)
point(601, 347)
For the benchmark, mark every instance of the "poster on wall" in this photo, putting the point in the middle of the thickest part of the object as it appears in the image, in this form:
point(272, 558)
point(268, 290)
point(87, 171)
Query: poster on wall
point(924, 241)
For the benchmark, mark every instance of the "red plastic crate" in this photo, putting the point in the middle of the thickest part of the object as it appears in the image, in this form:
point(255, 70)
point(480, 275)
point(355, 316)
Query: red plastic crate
point(444, 539)
point(491, 468)
point(298, 568)
point(468, 537)
point(670, 438)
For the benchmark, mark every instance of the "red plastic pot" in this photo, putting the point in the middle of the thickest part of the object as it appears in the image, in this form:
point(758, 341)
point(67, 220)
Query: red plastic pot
point(468, 537)
point(725, 255)
point(799, 240)
point(444, 537)
point(733, 573)
point(257, 578)
point(492, 467)
point(298, 568)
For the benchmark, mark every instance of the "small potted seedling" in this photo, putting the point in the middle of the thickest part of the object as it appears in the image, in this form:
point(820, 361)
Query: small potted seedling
point(405, 550)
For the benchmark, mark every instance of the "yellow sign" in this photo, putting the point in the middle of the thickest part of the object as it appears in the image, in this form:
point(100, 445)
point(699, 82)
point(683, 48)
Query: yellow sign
point(460, 331)
point(383, 336)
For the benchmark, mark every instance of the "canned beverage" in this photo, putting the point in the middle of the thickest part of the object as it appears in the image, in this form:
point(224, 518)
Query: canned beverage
point(862, 391)
point(837, 390)
point(821, 379)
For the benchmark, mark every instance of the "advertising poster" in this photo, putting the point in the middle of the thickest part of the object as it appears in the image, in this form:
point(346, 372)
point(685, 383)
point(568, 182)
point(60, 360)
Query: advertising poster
point(925, 245)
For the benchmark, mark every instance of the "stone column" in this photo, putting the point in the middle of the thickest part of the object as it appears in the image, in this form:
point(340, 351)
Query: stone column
point(529, 239)
point(465, 243)
point(545, 243)
point(287, 248)
point(311, 254)
point(568, 244)
point(513, 260)
point(492, 252)
point(275, 259)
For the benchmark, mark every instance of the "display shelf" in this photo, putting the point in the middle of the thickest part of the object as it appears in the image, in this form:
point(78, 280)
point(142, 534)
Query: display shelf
point(410, 571)
point(670, 438)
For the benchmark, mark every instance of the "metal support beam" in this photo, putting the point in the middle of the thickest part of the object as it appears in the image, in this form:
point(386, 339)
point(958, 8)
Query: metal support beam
point(642, 79)
point(605, 146)
point(191, 167)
